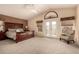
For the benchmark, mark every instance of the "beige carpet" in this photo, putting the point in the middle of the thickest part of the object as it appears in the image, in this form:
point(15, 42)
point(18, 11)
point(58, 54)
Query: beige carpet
point(37, 45)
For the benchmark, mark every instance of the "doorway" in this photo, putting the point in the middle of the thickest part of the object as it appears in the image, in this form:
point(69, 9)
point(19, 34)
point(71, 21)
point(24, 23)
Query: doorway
point(51, 28)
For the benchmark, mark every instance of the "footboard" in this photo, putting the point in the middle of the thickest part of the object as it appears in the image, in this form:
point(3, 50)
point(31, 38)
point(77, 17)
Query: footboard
point(23, 36)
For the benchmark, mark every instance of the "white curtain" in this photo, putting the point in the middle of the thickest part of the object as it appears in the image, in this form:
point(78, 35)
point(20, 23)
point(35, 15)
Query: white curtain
point(52, 27)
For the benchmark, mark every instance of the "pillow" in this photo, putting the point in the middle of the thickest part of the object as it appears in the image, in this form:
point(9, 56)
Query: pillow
point(12, 30)
point(19, 30)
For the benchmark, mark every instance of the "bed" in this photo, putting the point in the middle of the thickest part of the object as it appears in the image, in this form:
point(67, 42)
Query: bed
point(16, 32)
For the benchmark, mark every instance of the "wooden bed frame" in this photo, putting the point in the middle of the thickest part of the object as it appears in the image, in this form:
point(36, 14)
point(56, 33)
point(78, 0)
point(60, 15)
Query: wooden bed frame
point(23, 36)
point(12, 25)
point(19, 36)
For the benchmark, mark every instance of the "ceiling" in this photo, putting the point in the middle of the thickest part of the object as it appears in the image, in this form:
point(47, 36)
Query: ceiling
point(27, 11)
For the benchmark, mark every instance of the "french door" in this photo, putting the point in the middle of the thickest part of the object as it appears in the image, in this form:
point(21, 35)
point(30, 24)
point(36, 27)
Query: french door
point(51, 28)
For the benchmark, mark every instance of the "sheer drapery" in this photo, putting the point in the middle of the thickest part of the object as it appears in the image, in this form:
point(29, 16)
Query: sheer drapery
point(52, 27)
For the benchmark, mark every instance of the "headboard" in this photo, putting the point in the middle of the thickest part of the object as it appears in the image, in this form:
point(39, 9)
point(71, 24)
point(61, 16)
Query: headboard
point(12, 25)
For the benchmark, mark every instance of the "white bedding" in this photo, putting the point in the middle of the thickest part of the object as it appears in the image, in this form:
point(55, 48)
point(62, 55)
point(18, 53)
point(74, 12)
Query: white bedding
point(11, 34)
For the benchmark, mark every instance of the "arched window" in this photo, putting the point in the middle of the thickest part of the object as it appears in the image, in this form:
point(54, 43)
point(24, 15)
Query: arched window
point(51, 14)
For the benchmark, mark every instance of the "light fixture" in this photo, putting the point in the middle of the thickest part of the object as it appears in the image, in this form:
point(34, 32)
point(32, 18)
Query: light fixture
point(28, 5)
point(26, 27)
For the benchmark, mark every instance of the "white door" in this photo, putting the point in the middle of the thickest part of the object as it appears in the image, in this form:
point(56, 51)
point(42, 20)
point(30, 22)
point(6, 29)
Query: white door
point(51, 28)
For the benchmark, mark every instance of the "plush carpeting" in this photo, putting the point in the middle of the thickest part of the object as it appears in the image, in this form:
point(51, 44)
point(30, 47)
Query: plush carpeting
point(37, 45)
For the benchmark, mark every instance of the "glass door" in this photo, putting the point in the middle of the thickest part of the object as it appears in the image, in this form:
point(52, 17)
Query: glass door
point(51, 28)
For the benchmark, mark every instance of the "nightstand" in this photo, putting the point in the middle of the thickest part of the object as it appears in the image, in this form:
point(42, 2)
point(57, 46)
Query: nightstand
point(2, 36)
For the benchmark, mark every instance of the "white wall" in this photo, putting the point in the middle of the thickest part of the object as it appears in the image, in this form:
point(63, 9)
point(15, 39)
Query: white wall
point(65, 12)
point(77, 25)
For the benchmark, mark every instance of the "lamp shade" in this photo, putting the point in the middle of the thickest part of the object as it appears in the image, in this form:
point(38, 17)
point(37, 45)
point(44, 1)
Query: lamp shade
point(26, 26)
point(1, 28)
point(1, 23)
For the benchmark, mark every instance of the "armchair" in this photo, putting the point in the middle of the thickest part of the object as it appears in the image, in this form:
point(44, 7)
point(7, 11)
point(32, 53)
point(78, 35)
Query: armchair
point(68, 37)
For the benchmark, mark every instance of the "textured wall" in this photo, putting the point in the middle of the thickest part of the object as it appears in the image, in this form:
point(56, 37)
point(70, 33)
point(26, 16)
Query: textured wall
point(65, 12)
point(77, 25)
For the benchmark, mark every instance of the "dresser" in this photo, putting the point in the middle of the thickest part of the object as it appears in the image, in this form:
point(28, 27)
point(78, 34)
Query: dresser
point(2, 36)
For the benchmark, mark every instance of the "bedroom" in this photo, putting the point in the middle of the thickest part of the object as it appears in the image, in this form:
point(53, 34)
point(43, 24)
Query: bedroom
point(37, 28)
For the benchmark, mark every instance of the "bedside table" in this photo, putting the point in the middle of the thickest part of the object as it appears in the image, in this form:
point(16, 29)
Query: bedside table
point(2, 36)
